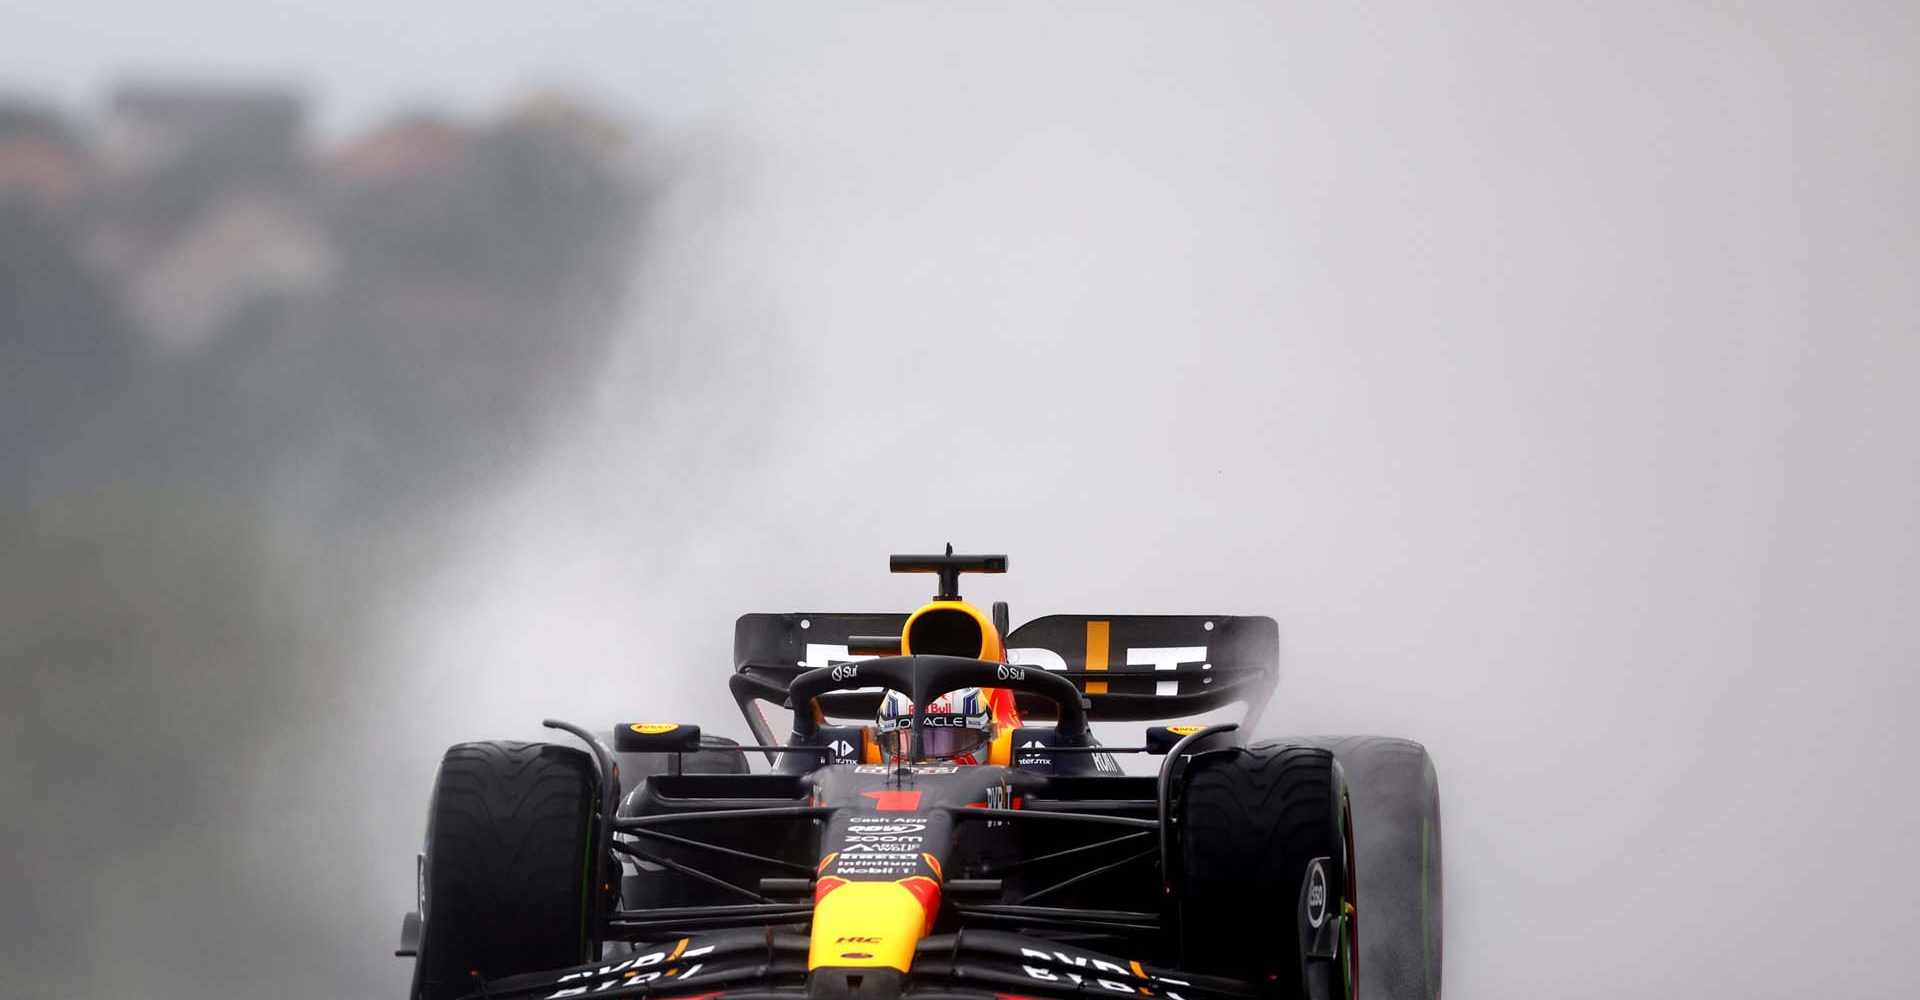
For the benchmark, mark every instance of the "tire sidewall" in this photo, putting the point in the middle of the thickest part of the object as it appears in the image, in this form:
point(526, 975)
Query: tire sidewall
point(1400, 909)
point(1251, 822)
point(577, 894)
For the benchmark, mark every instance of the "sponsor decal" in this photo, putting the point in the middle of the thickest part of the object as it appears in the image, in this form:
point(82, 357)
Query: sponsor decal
point(1100, 656)
point(1165, 658)
point(1037, 656)
point(1088, 971)
point(628, 973)
point(845, 671)
point(654, 728)
point(881, 847)
point(945, 720)
point(1184, 730)
point(826, 654)
point(1316, 893)
point(1033, 753)
point(1076, 979)
point(997, 797)
point(842, 750)
point(864, 869)
point(904, 826)
point(895, 801)
point(1077, 961)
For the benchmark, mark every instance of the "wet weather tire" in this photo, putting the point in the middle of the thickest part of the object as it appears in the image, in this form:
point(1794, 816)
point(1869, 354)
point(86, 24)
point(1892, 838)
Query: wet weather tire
point(506, 878)
point(1396, 822)
point(1252, 820)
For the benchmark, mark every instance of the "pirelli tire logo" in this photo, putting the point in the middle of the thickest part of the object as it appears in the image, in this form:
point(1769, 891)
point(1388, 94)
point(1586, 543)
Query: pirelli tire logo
point(1316, 893)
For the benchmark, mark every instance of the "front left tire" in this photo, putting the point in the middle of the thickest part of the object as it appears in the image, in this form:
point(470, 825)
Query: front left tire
point(506, 881)
point(1254, 825)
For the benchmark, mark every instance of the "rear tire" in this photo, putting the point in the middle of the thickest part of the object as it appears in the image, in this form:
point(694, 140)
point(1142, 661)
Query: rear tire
point(1252, 822)
point(1396, 819)
point(506, 883)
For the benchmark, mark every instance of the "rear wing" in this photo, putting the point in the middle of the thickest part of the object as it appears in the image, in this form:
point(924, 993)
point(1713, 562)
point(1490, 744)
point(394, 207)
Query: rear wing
point(1130, 668)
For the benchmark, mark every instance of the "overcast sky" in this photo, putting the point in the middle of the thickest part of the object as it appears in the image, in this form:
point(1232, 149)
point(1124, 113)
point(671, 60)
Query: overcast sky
point(1550, 372)
point(666, 61)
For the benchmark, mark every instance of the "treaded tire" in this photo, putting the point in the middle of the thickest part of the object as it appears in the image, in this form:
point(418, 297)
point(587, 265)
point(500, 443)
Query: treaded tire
point(505, 884)
point(1251, 821)
point(1396, 821)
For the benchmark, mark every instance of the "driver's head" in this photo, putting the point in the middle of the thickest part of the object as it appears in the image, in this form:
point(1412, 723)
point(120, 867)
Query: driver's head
point(958, 726)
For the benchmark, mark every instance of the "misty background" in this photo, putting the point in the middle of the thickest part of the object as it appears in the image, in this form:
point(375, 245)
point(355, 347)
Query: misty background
point(376, 380)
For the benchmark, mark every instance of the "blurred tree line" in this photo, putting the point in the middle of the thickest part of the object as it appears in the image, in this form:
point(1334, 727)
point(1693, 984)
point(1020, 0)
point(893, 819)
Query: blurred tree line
point(239, 373)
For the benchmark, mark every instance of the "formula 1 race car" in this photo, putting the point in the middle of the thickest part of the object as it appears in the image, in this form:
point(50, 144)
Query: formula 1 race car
point(868, 857)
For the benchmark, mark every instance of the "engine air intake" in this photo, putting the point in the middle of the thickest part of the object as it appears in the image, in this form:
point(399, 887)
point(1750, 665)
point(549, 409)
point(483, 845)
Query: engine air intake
point(946, 631)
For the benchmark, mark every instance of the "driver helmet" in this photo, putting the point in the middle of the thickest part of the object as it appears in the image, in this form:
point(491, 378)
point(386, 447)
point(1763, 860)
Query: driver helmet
point(958, 727)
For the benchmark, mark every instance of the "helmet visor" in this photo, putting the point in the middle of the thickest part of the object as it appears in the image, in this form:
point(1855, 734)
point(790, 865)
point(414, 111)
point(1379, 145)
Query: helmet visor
point(945, 735)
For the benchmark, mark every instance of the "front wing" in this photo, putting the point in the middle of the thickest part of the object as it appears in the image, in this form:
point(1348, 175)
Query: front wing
point(761, 964)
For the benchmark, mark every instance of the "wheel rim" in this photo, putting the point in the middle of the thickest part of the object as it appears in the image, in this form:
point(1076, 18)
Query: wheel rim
point(1352, 931)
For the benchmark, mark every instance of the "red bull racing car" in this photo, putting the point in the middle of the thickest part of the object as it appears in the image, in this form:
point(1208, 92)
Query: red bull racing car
point(941, 823)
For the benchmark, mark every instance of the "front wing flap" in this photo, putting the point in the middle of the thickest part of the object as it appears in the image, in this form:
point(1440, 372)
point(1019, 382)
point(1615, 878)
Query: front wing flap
point(766, 965)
